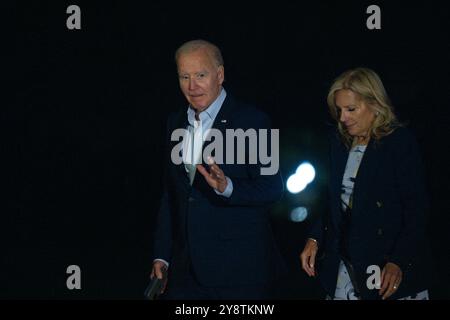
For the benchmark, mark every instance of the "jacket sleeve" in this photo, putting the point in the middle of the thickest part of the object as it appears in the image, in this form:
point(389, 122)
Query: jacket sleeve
point(413, 196)
point(319, 226)
point(162, 243)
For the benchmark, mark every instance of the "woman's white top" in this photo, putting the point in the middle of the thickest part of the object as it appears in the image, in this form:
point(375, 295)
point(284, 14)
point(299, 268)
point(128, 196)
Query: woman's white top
point(351, 169)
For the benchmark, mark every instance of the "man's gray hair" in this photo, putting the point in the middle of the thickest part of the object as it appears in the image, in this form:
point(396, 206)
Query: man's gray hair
point(195, 45)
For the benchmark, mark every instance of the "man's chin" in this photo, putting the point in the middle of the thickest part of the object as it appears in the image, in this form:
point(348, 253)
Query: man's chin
point(197, 107)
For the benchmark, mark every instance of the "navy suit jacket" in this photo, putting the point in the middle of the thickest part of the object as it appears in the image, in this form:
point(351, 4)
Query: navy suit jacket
point(388, 215)
point(227, 240)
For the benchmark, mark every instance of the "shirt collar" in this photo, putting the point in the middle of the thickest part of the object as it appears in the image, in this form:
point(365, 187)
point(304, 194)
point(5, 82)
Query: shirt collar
point(209, 113)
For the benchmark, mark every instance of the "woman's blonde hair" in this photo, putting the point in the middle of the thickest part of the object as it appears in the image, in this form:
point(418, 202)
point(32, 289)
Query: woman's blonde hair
point(367, 86)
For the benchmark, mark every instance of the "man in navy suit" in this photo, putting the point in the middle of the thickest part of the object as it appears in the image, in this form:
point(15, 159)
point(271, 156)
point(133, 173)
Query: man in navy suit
point(213, 233)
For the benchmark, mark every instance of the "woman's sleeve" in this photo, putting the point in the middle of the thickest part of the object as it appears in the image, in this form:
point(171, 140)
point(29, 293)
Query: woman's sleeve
point(413, 196)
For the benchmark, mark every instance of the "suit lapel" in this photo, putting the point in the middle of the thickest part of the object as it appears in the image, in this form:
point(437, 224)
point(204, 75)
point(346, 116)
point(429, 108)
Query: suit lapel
point(222, 121)
point(366, 172)
point(339, 161)
point(223, 118)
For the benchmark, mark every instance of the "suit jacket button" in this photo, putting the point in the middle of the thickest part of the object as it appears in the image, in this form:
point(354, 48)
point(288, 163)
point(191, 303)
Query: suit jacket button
point(380, 232)
point(379, 204)
point(191, 199)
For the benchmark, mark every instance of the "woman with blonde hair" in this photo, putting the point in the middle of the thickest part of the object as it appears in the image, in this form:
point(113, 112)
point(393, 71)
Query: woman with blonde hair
point(373, 237)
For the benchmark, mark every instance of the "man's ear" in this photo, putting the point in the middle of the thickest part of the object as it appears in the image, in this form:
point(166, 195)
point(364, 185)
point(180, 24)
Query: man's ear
point(221, 74)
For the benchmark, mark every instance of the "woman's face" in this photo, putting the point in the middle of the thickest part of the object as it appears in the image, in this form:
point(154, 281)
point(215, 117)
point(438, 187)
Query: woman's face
point(355, 115)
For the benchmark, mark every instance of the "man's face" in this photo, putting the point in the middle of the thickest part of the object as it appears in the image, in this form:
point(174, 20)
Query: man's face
point(354, 114)
point(200, 78)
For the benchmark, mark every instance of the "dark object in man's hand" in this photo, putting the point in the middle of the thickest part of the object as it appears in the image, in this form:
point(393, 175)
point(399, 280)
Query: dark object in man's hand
point(153, 290)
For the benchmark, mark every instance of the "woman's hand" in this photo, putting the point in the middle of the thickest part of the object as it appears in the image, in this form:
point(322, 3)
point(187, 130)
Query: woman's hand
point(391, 277)
point(308, 257)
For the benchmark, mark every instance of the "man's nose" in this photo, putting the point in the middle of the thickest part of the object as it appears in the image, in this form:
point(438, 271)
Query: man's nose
point(192, 84)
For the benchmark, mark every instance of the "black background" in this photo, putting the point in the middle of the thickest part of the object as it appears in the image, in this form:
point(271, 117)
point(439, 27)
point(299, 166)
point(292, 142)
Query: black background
point(83, 135)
